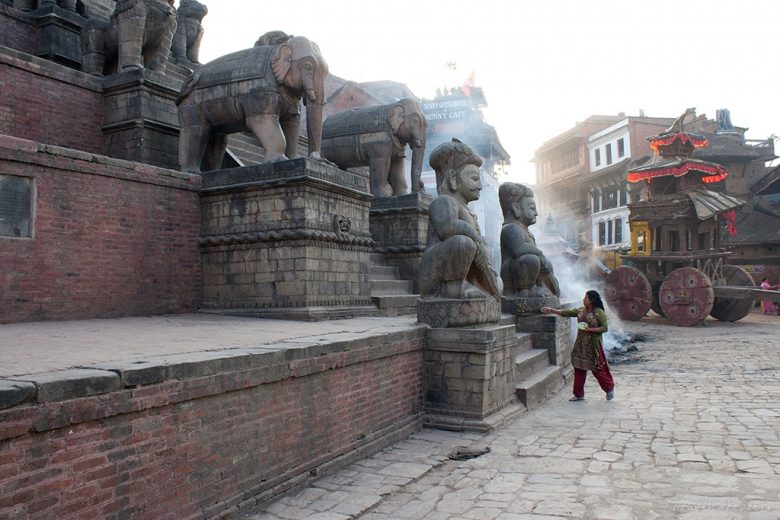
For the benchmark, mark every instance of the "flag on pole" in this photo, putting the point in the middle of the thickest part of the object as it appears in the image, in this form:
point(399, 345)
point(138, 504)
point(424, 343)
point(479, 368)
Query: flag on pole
point(466, 87)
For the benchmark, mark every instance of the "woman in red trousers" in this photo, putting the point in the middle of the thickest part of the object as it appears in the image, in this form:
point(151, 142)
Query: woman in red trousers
point(588, 352)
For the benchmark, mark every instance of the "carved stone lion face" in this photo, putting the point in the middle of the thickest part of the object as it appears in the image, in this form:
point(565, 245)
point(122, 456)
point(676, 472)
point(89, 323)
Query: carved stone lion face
point(341, 224)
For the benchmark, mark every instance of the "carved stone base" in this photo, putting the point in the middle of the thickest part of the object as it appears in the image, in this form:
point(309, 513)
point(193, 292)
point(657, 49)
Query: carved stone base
point(520, 306)
point(140, 118)
point(441, 314)
point(286, 240)
point(58, 35)
point(334, 312)
point(470, 376)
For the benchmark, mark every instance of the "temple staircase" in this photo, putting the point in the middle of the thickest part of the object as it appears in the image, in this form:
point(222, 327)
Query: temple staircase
point(537, 377)
point(392, 295)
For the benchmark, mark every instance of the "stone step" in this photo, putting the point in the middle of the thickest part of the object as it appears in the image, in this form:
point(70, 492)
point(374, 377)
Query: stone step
point(383, 272)
point(525, 340)
point(396, 304)
point(530, 362)
point(536, 389)
point(390, 287)
point(377, 258)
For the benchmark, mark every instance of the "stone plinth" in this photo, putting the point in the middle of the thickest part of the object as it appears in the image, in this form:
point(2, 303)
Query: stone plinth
point(286, 240)
point(58, 35)
point(141, 120)
point(470, 377)
point(458, 313)
point(399, 226)
point(552, 333)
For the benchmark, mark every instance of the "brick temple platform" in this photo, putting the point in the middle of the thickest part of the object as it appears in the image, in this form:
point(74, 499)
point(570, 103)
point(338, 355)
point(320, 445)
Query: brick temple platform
point(197, 415)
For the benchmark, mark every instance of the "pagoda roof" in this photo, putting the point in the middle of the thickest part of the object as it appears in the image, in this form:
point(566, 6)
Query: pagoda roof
point(667, 138)
point(708, 203)
point(677, 167)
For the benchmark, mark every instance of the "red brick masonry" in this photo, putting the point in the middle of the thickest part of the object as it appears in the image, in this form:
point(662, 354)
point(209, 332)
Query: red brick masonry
point(111, 238)
point(204, 435)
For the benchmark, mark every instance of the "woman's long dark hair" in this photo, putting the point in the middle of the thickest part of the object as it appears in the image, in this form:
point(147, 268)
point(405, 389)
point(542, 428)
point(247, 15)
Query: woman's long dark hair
point(595, 299)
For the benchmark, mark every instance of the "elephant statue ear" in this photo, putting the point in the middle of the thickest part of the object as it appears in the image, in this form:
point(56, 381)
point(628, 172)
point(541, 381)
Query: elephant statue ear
point(396, 117)
point(282, 61)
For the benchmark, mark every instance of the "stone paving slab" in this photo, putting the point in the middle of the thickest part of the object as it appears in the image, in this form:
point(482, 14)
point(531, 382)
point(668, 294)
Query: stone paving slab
point(693, 434)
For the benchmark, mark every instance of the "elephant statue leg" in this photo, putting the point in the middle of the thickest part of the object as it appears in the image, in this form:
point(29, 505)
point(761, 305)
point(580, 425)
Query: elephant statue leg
point(290, 127)
point(396, 176)
point(378, 168)
point(268, 131)
point(193, 139)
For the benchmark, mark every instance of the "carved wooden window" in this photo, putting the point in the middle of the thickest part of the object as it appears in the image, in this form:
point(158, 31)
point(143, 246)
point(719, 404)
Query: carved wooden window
point(621, 147)
point(16, 206)
point(704, 241)
point(657, 243)
point(602, 233)
point(674, 240)
point(597, 156)
point(608, 153)
point(618, 230)
point(609, 232)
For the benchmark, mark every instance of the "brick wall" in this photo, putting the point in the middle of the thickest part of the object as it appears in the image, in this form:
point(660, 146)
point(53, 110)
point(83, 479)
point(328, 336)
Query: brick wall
point(210, 446)
point(49, 103)
point(16, 29)
point(111, 238)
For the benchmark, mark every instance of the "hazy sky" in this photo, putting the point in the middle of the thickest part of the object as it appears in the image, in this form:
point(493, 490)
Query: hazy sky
point(543, 65)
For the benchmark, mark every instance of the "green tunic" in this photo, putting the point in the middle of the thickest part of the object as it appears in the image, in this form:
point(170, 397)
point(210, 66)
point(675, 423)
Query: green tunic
point(585, 352)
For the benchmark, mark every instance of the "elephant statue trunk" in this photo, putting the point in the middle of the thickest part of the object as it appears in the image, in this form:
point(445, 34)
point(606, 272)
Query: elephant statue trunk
point(418, 152)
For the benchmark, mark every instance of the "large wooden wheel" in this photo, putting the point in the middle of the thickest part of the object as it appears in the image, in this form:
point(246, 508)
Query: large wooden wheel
point(628, 293)
point(733, 309)
point(686, 296)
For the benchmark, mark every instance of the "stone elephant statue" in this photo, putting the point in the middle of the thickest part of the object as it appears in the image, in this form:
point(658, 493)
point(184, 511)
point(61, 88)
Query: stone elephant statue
point(377, 137)
point(138, 35)
point(189, 31)
point(259, 90)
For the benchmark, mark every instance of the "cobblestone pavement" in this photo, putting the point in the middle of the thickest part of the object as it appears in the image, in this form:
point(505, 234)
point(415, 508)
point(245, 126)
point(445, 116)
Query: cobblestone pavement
point(692, 434)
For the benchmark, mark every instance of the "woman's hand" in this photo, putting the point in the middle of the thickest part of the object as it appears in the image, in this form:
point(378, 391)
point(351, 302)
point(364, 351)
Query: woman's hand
point(547, 310)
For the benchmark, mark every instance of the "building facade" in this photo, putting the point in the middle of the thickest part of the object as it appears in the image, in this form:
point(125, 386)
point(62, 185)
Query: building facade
point(581, 184)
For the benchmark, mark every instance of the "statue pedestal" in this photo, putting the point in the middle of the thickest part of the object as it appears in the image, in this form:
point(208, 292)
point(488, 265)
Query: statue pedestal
point(140, 117)
point(399, 226)
point(470, 377)
point(458, 313)
point(521, 306)
point(287, 240)
point(58, 35)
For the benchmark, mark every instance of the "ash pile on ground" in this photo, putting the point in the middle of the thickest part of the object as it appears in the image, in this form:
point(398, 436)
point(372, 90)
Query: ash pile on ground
point(624, 349)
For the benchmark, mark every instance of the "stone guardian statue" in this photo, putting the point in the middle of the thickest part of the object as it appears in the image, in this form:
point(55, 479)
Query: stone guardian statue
point(456, 262)
point(526, 272)
point(189, 31)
